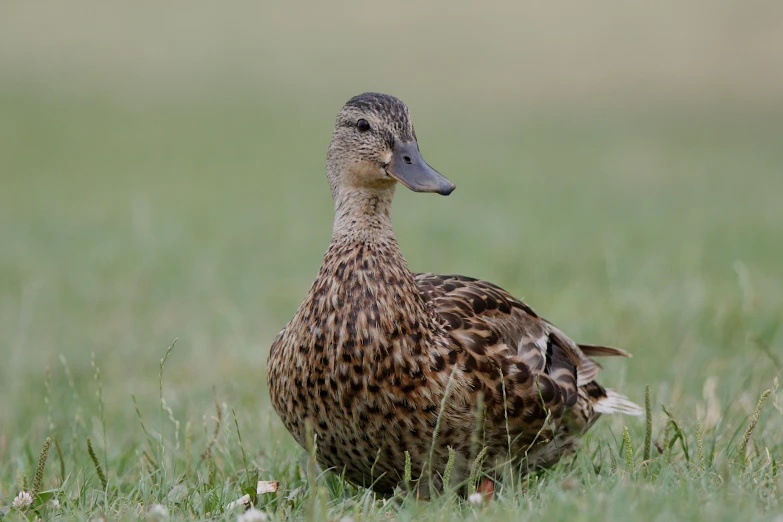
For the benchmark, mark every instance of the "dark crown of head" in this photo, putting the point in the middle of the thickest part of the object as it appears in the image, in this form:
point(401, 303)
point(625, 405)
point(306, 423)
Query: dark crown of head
point(388, 107)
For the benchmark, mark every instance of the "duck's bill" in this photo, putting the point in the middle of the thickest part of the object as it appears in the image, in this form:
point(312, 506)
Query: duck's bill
point(409, 168)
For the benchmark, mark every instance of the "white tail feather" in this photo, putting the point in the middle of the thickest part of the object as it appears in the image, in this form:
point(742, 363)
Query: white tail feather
point(616, 403)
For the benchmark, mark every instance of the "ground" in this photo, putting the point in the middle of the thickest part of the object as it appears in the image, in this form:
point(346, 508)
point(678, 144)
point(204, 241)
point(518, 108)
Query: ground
point(131, 216)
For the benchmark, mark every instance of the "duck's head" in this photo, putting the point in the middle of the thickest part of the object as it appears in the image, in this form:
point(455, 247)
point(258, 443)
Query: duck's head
point(374, 146)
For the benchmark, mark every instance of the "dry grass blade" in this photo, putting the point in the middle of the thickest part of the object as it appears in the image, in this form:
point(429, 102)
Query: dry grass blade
point(239, 437)
point(754, 419)
point(406, 474)
point(447, 471)
point(475, 470)
point(97, 465)
point(40, 468)
point(678, 434)
point(435, 431)
point(648, 424)
point(628, 449)
point(700, 446)
point(218, 421)
point(61, 458)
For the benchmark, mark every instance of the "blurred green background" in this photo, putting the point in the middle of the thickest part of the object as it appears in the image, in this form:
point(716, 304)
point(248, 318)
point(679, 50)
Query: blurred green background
point(618, 165)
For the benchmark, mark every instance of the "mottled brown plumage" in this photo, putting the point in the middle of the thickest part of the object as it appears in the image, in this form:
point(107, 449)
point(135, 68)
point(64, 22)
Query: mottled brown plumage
point(367, 359)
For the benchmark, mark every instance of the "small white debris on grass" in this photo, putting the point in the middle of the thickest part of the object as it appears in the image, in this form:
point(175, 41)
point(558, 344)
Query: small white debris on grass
point(178, 494)
point(242, 501)
point(267, 486)
point(475, 498)
point(22, 500)
point(158, 512)
point(54, 503)
point(252, 515)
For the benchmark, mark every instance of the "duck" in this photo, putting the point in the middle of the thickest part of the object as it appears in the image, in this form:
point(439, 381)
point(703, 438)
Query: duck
point(386, 374)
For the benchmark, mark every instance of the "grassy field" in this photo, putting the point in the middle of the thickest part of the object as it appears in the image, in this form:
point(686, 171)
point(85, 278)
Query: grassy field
point(151, 193)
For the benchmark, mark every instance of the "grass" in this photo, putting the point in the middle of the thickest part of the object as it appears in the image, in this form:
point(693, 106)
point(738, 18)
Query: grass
point(129, 221)
point(658, 235)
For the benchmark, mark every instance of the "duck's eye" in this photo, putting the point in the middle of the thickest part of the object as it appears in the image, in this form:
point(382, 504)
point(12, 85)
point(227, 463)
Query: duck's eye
point(363, 125)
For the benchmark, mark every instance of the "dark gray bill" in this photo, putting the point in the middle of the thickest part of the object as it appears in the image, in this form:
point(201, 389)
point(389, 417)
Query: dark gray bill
point(409, 168)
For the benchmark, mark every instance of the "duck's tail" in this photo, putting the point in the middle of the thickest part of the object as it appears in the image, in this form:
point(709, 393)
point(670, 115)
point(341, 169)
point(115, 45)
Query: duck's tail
point(614, 402)
point(595, 350)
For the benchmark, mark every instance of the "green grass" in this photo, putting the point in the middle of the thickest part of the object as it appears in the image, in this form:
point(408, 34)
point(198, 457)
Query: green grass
point(126, 223)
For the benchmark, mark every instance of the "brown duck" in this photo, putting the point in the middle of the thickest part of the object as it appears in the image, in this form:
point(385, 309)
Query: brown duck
point(379, 361)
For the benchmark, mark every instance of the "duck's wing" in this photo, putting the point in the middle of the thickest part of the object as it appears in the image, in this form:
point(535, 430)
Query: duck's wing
point(498, 332)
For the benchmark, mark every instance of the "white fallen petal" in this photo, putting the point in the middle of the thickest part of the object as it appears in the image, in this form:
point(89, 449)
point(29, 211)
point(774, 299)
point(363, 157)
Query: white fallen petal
point(242, 501)
point(267, 486)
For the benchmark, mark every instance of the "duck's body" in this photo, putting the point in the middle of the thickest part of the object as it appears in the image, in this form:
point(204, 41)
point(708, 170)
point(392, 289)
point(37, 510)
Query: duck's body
point(377, 358)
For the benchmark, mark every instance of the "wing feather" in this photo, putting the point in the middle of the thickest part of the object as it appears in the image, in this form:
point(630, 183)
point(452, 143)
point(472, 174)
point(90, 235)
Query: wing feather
point(498, 330)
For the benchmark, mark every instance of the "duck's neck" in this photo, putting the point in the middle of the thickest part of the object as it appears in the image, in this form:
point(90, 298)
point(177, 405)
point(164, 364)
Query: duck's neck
point(363, 239)
point(363, 215)
point(365, 297)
